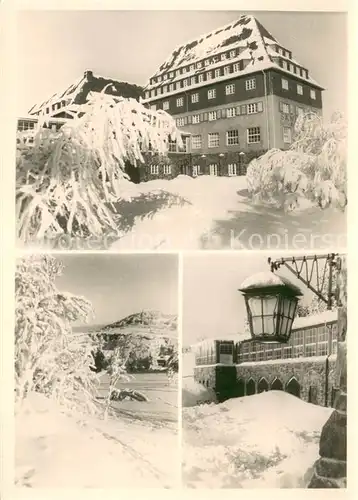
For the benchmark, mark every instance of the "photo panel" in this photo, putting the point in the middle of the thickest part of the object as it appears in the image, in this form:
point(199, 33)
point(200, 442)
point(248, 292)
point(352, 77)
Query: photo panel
point(96, 371)
point(264, 383)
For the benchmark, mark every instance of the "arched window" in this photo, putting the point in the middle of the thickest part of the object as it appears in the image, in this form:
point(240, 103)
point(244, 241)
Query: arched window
point(262, 385)
point(250, 387)
point(293, 387)
point(277, 385)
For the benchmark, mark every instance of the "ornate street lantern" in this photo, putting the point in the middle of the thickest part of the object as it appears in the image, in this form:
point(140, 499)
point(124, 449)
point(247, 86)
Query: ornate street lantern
point(271, 303)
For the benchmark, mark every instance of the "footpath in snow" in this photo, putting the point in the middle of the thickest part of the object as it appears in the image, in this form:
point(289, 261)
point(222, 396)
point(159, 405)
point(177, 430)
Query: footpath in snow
point(268, 440)
point(216, 212)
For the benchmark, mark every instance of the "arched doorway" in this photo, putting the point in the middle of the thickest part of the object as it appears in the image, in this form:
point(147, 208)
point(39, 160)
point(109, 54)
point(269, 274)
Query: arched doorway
point(313, 395)
point(240, 388)
point(293, 387)
point(250, 387)
point(262, 385)
point(277, 385)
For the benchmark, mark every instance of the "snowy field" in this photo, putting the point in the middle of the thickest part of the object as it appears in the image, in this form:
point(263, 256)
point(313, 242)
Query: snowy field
point(269, 440)
point(215, 212)
point(136, 448)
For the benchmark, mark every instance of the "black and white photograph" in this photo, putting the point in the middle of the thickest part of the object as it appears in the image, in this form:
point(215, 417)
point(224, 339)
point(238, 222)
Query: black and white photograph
point(96, 371)
point(225, 130)
point(264, 389)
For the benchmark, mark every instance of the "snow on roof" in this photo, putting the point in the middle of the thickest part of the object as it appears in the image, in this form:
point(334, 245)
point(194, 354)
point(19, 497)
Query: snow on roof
point(317, 319)
point(291, 361)
point(266, 279)
point(246, 33)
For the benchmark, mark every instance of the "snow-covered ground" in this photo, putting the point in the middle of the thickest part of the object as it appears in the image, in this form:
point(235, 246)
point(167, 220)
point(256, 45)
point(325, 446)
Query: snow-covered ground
point(269, 440)
point(137, 448)
point(215, 212)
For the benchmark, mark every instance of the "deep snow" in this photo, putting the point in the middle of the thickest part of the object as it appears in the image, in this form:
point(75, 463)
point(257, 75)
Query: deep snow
point(138, 447)
point(269, 440)
point(211, 212)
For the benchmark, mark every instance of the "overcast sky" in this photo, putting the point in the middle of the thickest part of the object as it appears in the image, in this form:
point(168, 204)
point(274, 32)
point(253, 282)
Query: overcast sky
point(55, 47)
point(212, 305)
point(119, 285)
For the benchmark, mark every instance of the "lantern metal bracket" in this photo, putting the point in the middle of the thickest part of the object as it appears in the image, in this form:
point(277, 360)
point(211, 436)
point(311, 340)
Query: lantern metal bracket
point(307, 270)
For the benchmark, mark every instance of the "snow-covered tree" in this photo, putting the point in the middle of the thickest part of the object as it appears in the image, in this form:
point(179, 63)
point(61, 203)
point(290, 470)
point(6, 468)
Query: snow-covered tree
point(315, 166)
point(67, 180)
point(49, 357)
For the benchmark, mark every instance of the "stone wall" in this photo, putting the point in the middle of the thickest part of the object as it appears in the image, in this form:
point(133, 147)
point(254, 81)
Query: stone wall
point(313, 377)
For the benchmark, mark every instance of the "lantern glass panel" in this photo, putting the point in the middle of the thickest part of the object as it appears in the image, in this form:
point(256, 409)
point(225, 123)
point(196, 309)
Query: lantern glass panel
point(262, 311)
point(286, 313)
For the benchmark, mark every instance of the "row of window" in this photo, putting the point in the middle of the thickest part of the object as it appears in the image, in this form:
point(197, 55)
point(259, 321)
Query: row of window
point(249, 109)
point(250, 84)
point(231, 54)
point(232, 138)
point(233, 169)
point(299, 88)
point(57, 105)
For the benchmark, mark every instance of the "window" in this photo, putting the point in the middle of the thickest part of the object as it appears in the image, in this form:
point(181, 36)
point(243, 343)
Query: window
point(253, 135)
point(153, 107)
point(196, 170)
point(299, 89)
point(291, 68)
point(177, 85)
point(236, 67)
point(165, 89)
point(167, 169)
point(199, 65)
point(252, 108)
point(232, 137)
point(250, 84)
point(172, 146)
point(154, 169)
point(201, 78)
point(192, 80)
point(171, 74)
point(285, 108)
point(211, 94)
point(287, 136)
point(192, 67)
point(177, 73)
point(171, 87)
point(299, 111)
point(206, 62)
point(180, 122)
point(159, 90)
point(185, 83)
point(180, 102)
point(284, 64)
point(159, 79)
point(213, 168)
point(165, 105)
point(230, 112)
point(196, 141)
point(313, 94)
point(147, 95)
point(209, 75)
point(232, 169)
point(195, 97)
point(184, 70)
point(230, 89)
point(284, 83)
point(213, 140)
point(232, 53)
point(196, 118)
point(227, 70)
point(165, 77)
point(223, 57)
point(217, 73)
point(212, 116)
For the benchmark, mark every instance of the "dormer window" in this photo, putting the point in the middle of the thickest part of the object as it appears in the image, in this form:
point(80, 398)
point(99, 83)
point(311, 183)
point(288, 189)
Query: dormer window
point(159, 79)
point(223, 57)
point(207, 62)
point(199, 65)
point(192, 80)
point(177, 73)
point(184, 71)
point(185, 83)
point(165, 89)
point(171, 74)
point(217, 73)
point(284, 64)
point(165, 77)
point(291, 68)
point(232, 53)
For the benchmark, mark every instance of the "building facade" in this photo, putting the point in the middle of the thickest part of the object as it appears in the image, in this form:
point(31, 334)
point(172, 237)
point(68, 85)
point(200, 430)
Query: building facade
point(237, 91)
point(304, 367)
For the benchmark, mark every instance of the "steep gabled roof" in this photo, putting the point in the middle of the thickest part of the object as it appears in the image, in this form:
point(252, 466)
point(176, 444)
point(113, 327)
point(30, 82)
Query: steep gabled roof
point(256, 45)
point(78, 91)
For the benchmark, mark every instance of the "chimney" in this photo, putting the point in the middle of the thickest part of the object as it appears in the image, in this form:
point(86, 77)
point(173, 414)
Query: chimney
point(88, 75)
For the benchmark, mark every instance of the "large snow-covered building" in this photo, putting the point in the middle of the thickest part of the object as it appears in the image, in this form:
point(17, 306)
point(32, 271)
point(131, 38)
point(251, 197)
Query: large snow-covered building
point(237, 91)
point(304, 367)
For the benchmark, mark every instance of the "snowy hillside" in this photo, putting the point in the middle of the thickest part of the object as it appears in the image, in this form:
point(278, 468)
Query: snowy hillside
point(155, 319)
point(269, 440)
